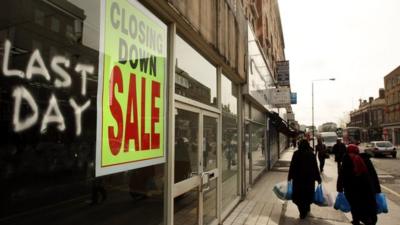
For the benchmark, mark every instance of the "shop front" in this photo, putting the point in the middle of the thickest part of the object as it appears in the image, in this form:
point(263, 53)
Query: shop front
point(110, 113)
point(257, 137)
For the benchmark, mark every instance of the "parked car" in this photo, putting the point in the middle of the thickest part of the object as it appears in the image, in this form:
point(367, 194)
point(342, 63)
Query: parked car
point(381, 148)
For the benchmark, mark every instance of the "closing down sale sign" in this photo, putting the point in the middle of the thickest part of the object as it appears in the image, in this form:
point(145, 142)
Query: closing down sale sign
point(131, 93)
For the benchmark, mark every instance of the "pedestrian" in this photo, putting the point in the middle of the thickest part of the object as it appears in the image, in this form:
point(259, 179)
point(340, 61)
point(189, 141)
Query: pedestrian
point(303, 172)
point(339, 149)
point(320, 150)
point(359, 182)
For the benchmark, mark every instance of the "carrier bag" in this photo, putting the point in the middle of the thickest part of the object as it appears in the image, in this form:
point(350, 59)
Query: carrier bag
point(381, 204)
point(283, 190)
point(341, 203)
point(321, 197)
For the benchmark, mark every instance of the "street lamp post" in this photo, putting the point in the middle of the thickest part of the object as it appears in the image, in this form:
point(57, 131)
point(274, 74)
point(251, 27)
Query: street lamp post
point(312, 111)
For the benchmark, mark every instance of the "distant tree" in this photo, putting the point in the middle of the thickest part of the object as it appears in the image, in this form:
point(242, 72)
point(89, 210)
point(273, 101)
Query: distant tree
point(345, 119)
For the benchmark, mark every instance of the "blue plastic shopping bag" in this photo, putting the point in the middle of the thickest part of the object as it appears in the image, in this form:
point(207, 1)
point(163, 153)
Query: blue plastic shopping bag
point(289, 190)
point(319, 195)
point(341, 203)
point(283, 190)
point(381, 204)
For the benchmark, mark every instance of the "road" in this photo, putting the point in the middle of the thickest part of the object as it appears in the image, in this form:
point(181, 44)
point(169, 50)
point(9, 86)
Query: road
point(388, 170)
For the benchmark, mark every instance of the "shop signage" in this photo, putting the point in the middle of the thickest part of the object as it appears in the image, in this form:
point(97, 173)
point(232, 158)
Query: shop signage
point(290, 116)
point(279, 97)
point(283, 73)
point(131, 92)
point(293, 98)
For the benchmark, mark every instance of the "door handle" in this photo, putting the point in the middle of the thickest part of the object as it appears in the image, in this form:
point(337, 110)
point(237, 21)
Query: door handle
point(205, 187)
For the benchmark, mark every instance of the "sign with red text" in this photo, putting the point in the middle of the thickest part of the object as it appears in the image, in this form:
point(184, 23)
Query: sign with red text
point(131, 93)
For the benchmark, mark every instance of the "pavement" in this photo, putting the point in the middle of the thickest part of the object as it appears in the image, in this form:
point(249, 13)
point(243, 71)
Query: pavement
point(261, 206)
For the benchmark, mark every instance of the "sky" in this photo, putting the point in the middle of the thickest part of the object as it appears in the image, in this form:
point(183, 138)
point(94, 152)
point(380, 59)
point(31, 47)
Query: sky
point(357, 42)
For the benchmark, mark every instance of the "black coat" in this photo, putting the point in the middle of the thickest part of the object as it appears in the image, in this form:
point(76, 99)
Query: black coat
point(320, 150)
point(359, 190)
point(304, 172)
point(339, 150)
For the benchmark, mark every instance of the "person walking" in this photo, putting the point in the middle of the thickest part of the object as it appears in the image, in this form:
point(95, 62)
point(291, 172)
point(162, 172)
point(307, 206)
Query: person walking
point(303, 172)
point(320, 149)
point(339, 149)
point(360, 183)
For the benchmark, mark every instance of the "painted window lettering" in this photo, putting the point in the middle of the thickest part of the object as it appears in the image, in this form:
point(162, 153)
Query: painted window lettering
point(37, 70)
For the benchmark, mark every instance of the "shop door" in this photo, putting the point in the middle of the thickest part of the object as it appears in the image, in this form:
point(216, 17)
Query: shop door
point(196, 171)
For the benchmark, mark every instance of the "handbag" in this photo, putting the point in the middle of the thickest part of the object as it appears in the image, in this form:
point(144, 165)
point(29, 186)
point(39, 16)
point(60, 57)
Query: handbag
point(381, 204)
point(341, 203)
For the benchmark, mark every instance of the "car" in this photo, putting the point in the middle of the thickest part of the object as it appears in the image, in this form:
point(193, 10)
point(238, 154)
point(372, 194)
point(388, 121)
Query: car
point(375, 148)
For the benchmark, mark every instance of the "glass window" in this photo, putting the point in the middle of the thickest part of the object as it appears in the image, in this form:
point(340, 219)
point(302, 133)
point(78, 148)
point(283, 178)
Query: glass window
point(186, 142)
point(229, 141)
point(257, 148)
point(48, 166)
point(55, 24)
point(247, 110)
point(39, 17)
point(196, 78)
point(257, 115)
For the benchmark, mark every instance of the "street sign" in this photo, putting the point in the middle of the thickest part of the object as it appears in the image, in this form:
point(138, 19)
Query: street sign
point(293, 98)
point(290, 116)
point(279, 97)
point(283, 73)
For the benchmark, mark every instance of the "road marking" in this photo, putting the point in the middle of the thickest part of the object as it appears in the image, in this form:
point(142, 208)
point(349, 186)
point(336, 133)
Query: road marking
point(390, 191)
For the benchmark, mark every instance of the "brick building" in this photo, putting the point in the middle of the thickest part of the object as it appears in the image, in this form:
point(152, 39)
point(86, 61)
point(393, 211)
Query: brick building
point(391, 124)
point(369, 117)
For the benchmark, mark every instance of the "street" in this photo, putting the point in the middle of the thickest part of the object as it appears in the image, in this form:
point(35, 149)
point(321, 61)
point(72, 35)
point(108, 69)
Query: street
point(388, 170)
point(262, 207)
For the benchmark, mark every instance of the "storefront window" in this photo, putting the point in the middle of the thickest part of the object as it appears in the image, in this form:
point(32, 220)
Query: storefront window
point(196, 78)
point(229, 141)
point(186, 139)
point(272, 147)
point(48, 97)
point(257, 148)
point(247, 147)
point(257, 115)
point(247, 110)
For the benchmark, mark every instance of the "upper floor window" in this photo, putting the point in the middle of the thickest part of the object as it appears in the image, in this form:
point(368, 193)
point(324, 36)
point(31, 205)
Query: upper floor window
point(196, 78)
point(55, 24)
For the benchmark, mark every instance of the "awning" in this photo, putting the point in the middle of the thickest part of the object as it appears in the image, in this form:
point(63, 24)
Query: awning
point(281, 125)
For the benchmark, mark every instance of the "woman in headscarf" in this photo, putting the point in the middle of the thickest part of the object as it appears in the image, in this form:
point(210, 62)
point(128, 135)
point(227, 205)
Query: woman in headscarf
point(359, 181)
point(303, 172)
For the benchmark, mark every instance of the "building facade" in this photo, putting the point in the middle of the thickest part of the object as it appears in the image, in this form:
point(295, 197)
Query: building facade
point(392, 110)
point(369, 117)
point(144, 112)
